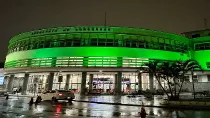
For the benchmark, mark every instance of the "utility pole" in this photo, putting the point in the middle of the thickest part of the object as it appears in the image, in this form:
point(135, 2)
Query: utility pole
point(205, 24)
point(105, 19)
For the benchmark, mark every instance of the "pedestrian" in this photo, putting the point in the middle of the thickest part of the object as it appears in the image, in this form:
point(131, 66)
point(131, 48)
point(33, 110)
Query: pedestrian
point(7, 97)
point(31, 101)
point(38, 99)
point(143, 111)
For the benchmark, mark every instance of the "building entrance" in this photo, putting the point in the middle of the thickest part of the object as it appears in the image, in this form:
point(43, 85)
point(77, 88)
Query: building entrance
point(99, 83)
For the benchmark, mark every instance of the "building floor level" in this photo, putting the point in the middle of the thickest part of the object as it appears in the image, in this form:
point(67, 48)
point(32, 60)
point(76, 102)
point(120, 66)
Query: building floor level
point(92, 82)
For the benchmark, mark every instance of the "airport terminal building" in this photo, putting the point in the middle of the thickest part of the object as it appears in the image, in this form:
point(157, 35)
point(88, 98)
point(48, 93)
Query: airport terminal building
point(98, 59)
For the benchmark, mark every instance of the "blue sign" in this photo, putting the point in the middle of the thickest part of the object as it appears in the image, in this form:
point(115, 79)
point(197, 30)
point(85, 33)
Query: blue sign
point(1, 80)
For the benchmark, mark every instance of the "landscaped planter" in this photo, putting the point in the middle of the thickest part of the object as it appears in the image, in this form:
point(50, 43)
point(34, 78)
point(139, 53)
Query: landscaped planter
point(185, 103)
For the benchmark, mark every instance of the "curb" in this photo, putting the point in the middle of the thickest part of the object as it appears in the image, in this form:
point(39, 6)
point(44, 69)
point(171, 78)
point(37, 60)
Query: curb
point(168, 106)
point(20, 96)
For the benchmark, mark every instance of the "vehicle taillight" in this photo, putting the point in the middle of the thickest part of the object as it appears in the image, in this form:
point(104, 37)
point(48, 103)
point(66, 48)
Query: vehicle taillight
point(59, 94)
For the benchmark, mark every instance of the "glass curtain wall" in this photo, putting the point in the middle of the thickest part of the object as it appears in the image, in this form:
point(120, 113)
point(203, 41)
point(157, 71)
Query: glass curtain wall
point(59, 82)
point(37, 84)
point(75, 82)
point(103, 83)
point(129, 82)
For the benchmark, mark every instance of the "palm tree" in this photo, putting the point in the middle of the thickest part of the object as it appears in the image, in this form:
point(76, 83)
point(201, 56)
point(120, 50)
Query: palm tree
point(187, 66)
point(153, 67)
point(171, 71)
point(166, 72)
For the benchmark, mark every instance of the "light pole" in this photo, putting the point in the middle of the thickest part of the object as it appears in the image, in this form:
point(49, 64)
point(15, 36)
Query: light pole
point(192, 74)
point(35, 85)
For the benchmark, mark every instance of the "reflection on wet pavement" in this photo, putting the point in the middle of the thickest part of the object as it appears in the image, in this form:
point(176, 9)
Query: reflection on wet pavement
point(19, 108)
point(121, 99)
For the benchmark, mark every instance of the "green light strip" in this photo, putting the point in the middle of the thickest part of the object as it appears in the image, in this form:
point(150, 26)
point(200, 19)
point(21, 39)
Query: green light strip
point(96, 52)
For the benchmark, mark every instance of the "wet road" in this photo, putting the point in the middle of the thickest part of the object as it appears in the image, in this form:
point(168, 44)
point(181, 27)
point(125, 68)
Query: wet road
point(19, 108)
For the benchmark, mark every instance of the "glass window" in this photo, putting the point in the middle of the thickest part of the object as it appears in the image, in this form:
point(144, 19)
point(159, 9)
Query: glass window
point(141, 44)
point(68, 43)
point(101, 42)
point(195, 35)
point(76, 42)
point(128, 43)
point(202, 46)
point(62, 43)
point(207, 46)
point(120, 42)
point(197, 47)
point(134, 43)
point(109, 42)
point(94, 42)
point(161, 46)
point(161, 40)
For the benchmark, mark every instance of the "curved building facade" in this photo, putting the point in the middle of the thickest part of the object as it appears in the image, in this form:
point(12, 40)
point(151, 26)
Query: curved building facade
point(90, 58)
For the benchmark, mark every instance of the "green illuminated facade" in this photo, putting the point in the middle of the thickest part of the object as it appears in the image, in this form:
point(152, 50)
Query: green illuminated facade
point(91, 46)
point(200, 47)
point(98, 52)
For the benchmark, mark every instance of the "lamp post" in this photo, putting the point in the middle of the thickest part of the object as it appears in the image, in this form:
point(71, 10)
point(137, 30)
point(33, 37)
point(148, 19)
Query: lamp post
point(192, 74)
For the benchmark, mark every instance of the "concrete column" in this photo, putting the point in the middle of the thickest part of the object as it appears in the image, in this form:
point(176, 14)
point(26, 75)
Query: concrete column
point(25, 83)
point(10, 83)
point(91, 83)
point(83, 83)
point(67, 81)
point(140, 81)
point(119, 83)
point(50, 81)
point(151, 82)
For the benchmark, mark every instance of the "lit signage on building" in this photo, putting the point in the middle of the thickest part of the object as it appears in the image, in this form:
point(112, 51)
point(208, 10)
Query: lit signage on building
point(1, 80)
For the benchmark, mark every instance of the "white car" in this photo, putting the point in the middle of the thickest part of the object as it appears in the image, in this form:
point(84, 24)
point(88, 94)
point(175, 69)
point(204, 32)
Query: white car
point(55, 95)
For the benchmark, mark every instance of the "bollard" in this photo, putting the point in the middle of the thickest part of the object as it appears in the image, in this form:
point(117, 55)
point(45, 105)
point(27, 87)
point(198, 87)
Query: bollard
point(31, 101)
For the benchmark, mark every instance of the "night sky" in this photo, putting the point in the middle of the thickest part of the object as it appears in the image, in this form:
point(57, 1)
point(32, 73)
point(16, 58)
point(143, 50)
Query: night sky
point(18, 16)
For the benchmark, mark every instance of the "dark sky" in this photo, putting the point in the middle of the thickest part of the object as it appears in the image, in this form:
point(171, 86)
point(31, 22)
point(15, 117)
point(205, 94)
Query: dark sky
point(18, 16)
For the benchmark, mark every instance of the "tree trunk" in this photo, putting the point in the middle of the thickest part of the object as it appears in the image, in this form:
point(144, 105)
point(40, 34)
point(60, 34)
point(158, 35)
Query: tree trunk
point(161, 86)
point(169, 86)
point(181, 85)
point(174, 86)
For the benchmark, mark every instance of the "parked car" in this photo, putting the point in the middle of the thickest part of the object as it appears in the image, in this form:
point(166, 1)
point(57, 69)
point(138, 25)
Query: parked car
point(3, 93)
point(55, 95)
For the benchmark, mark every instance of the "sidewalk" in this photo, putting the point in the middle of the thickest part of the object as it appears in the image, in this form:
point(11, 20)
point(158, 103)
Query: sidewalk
point(120, 100)
point(19, 95)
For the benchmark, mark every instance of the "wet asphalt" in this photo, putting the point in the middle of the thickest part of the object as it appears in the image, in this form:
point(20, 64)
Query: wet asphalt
point(18, 107)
